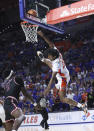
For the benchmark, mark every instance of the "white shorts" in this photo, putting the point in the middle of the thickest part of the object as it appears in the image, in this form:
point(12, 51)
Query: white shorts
point(62, 83)
point(2, 113)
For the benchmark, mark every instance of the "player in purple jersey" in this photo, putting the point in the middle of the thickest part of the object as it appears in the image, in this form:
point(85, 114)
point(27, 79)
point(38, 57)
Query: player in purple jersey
point(13, 85)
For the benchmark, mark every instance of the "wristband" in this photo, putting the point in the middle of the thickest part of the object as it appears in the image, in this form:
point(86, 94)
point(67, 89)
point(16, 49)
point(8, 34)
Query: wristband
point(10, 75)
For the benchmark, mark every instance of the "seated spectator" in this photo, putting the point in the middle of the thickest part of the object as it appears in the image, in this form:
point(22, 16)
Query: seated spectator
point(70, 94)
point(90, 98)
point(76, 97)
point(84, 96)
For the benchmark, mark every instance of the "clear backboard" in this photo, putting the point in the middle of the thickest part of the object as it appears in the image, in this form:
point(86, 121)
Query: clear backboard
point(41, 19)
point(53, 18)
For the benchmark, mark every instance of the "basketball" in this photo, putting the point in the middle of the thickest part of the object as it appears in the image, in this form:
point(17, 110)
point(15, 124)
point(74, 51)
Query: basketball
point(32, 12)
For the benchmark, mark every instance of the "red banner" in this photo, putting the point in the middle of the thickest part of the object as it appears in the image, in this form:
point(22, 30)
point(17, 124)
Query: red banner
point(72, 11)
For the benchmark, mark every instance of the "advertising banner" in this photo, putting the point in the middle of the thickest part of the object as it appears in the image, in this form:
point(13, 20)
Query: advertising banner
point(60, 118)
point(69, 12)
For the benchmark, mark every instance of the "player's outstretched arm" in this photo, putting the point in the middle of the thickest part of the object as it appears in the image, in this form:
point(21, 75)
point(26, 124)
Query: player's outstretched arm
point(11, 73)
point(6, 79)
point(46, 61)
point(19, 80)
point(50, 43)
point(26, 94)
point(50, 83)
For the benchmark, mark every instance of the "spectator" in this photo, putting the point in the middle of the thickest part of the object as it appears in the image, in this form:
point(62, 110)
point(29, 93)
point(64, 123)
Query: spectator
point(90, 98)
point(70, 94)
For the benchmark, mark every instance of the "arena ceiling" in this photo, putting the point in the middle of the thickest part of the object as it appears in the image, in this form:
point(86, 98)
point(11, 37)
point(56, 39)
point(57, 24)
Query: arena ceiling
point(10, 3)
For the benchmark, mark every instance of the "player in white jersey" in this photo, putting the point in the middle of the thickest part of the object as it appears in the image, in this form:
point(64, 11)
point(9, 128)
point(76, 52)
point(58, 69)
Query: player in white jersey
point(2, 112)
point(62, 75)
point(59, 70)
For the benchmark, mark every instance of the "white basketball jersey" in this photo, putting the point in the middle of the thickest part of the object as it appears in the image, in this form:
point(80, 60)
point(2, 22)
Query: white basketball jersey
point(59, 66)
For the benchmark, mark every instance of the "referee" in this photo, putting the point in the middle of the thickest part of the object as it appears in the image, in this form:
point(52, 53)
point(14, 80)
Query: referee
point(41, 108)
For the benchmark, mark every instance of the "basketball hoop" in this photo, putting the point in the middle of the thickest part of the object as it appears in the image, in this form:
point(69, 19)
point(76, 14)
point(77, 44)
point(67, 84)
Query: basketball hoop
point(30, 31)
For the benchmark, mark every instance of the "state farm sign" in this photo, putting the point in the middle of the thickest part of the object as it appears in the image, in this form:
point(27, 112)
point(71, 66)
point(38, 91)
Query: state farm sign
point(74, 11)
point(69, 12)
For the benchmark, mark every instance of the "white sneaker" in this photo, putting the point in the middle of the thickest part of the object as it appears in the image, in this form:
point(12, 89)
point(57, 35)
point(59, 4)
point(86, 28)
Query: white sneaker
point(85, 109)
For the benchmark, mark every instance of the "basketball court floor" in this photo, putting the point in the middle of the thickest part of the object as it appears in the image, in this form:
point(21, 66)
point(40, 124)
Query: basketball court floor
point(72, 127)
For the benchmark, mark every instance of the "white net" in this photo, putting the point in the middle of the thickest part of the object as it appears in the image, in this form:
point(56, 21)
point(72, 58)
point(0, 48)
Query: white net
point(30, 32)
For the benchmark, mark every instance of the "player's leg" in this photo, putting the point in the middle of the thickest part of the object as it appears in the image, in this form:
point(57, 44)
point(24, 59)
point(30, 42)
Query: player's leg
point(9, 120)
point(13, 113)
point(9, 125)
point(64, 99)
point(46, 61)
point(19, 118)
point(62, 94)
point(2, 113)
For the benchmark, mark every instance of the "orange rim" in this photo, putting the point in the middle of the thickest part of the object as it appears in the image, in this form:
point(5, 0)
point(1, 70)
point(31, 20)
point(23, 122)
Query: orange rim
point(31, 25)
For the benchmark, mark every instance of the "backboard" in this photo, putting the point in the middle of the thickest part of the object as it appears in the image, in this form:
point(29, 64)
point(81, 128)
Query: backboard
point(48, 19)
point(42, 10)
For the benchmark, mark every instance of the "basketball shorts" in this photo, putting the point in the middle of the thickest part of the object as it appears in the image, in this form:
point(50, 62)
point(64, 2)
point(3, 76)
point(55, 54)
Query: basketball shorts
point(2, 113)
point(62, 84)
point(10, 105)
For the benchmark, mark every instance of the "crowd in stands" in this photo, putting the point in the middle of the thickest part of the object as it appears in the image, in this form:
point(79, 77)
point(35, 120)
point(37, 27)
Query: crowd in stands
point(36, 75)
point(80, 63)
